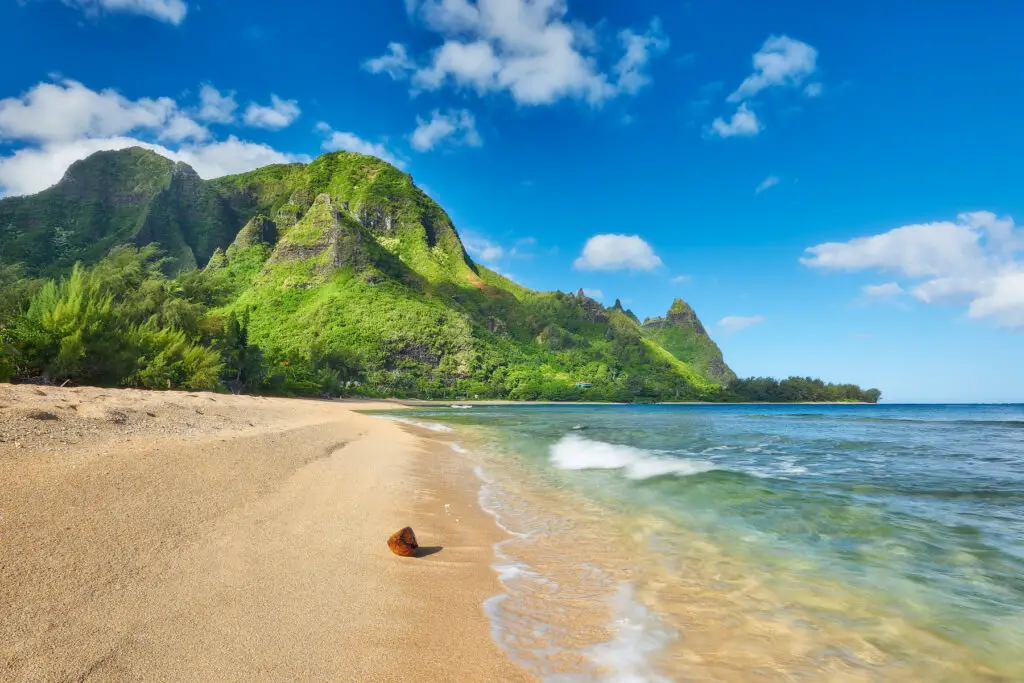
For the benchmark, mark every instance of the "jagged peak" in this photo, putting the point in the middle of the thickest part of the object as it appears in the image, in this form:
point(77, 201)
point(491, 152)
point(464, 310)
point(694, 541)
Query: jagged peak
point(680, 314)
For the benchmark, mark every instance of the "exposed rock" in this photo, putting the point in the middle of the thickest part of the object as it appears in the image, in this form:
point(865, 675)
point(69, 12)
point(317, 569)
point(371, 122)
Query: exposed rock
point(259, 230)
point(403, 542)
point(41, 415)
point(325, 230)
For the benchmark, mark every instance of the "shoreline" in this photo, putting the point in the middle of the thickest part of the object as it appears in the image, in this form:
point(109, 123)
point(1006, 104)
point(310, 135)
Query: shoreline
point(203, 536)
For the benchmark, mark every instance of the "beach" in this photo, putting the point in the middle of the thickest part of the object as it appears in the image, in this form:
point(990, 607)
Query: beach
point(173, 536)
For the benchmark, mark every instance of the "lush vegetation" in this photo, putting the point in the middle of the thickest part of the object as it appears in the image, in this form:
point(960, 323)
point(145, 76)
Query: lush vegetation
point(798, 389)
point(337, 277)
point(681, 333)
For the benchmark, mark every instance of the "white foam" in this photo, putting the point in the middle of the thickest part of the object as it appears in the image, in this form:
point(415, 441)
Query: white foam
point(637, 635)
point(457, 447)
point(432, 426)
point(576, 453)
point(460, 406)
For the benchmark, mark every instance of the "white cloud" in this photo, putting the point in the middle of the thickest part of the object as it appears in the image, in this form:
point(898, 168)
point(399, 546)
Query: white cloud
point(526, 48)
point(33, 169)
point(350, 142)
point(395, 62)
point(883, 291)
point(53, 125)
point(973, 261)
point(744, 123)
point(481, 248)
point(680, 279)
point(457, 127)
point(735, 323)
point(766, 184)
point(617, 252)
point(595, 294)
point(215, 106)
point(640, 47)
point(67, 110)
point(781, 61)
point(280, 114)
point(170, 11)
point(813, 90)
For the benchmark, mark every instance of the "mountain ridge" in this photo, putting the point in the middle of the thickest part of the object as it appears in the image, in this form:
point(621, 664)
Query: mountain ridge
point(344, 271)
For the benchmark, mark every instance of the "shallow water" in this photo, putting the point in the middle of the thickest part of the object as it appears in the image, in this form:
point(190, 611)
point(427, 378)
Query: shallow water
point(707, 543)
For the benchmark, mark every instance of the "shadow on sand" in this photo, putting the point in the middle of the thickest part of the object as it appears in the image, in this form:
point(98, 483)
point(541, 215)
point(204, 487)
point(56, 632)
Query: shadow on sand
point(426, 551)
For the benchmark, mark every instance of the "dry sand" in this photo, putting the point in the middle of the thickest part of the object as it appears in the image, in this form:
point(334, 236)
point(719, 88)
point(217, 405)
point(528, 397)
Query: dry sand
point(171, 536)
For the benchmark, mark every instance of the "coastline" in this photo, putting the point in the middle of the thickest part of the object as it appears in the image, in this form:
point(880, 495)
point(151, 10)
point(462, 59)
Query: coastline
point(165, 535)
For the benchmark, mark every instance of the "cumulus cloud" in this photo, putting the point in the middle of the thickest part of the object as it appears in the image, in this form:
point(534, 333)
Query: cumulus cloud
point(735, 323)
point(456, 127)
point(781, 61)
point(526, 48)
point(743, 123)
point(170, 11)
point(280, 114)
point(350, 142)
point(888, 290)
point(67, 110)
point(33, 169)
point(215, 106)
point(595, 294)
point(617, 252)
point(973, 261)
point(766, 184)
point(55, 124)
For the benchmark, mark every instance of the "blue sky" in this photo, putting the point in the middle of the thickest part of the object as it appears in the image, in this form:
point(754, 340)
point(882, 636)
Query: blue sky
point(830, 188)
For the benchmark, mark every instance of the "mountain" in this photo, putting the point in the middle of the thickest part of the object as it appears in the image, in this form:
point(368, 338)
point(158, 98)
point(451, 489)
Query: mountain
point(337, 276)
point(681, 333)
point(345, 264)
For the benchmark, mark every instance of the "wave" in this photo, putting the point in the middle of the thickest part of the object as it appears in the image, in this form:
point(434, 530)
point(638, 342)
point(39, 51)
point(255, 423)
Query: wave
point(574, 452)
point(432, 426)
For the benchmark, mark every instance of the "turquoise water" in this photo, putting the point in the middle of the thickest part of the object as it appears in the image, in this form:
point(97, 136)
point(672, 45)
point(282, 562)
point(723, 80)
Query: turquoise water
point(794, 542)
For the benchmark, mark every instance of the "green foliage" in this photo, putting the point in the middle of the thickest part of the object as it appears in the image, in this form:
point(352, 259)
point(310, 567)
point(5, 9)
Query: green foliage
point(798, 389)
point(121, 322)
point(335, 277)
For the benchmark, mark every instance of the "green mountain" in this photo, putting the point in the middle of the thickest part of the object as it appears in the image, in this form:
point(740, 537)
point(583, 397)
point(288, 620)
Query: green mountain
point(681, 333)
point(335, 276)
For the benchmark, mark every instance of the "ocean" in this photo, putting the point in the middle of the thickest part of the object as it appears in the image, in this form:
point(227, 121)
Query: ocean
point(753, 542)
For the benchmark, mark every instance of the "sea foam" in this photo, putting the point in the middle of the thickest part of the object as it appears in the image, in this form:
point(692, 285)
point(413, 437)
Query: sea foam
point(432, 426)
point(574, 452)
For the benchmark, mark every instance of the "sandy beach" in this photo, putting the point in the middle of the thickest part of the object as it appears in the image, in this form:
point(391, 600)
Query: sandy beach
point(172, 536)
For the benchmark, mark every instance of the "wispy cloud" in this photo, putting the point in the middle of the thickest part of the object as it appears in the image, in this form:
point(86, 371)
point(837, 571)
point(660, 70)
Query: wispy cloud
point(350, 142)
point(734, 323)
point(766, 184)
point(454, 127)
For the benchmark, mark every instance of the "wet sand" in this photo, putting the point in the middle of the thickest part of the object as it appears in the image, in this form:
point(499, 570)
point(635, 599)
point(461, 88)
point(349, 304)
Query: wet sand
point(172, 536)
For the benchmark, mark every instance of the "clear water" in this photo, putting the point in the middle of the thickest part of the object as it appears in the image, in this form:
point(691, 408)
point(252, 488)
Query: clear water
point(756, 542)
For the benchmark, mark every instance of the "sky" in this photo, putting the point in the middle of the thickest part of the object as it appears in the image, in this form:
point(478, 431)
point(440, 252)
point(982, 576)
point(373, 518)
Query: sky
point(831, 187)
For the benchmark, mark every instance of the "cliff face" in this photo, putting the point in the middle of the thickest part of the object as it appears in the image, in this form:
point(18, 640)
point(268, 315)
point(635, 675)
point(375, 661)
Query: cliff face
point(682, 334)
